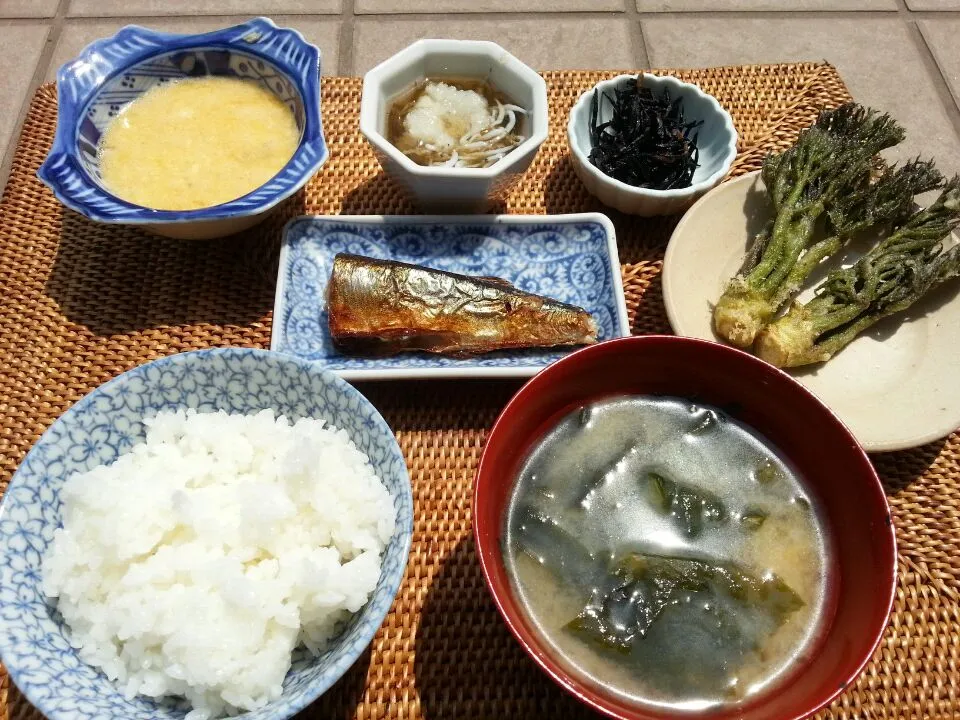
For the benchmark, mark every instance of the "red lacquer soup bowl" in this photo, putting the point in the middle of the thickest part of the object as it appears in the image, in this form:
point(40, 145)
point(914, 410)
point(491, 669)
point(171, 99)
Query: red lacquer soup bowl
point(832, 466)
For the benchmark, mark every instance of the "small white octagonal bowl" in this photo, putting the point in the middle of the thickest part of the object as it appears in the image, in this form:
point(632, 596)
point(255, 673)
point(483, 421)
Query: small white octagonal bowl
point(443, 189)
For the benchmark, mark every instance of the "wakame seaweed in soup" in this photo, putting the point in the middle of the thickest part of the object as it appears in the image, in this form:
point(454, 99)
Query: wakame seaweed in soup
point(666, 552)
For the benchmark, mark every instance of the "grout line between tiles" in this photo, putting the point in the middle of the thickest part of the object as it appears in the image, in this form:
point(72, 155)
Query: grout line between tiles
point(500, 15)
point(346, 14)
point(768, 14)
point(935, 14)
point(228, 17)
point(936, 74)
point(640, 53)
point(39, 73)
point(330, 14)
point(631, 11)
point(929, 58)
point(348, 19)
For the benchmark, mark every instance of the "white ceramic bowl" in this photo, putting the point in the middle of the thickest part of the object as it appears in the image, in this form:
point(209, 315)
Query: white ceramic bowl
point(717, 142)
point(447, 190)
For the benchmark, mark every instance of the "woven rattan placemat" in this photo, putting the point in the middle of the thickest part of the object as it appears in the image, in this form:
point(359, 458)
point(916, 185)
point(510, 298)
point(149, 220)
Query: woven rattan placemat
point(83, 302)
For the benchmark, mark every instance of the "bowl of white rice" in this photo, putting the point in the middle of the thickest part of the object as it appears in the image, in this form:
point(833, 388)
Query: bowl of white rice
point(213, 533)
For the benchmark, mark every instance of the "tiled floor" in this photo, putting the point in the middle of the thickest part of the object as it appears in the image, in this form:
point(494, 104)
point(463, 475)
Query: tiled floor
point(899, 55)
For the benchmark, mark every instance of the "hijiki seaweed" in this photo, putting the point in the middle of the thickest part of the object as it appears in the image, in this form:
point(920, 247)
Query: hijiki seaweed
point(647, 142)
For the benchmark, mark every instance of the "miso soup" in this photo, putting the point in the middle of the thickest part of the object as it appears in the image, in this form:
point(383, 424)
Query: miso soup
point(667, 553)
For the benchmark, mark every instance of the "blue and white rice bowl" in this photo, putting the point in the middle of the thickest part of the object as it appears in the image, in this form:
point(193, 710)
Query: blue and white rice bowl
point(34, 645)
point(110, 73)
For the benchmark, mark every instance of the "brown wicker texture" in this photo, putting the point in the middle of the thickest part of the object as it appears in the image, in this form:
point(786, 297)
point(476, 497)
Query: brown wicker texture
point(83, 302)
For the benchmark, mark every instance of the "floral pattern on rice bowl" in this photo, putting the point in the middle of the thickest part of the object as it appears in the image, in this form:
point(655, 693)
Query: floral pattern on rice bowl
point(107, 423)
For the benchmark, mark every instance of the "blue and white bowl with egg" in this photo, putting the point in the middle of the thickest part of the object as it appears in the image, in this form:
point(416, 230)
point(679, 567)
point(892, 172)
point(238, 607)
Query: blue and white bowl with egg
point(36, 645)
point(93, 88)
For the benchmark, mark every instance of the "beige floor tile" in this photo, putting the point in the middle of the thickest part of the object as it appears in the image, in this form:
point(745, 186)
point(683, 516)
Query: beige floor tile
point(183, 8)
point(941, 37)
point(77, 34)
point(28, 8)
point(20, 46)
point(479, 6)
point(933, 4)
point(544, 44)
point(701, 5)
point(877, 58)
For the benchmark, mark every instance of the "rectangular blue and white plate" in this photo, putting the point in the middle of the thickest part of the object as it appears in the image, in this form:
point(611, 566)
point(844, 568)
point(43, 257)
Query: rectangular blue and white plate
point(571, 258)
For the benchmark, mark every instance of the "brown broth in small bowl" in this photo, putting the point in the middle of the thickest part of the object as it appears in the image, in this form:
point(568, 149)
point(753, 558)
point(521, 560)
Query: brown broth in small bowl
point(446, 128)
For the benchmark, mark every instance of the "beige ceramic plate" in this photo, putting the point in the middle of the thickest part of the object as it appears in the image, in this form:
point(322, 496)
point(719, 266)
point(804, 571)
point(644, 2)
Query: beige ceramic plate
point(896, 386)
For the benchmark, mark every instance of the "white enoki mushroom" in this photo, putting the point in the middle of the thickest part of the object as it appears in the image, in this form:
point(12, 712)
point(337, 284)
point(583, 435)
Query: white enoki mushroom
point(475, 147)
point(493, 132)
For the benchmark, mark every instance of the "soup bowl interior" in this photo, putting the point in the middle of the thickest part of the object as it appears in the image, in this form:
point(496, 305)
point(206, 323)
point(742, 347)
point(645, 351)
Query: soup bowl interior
point(832, 467)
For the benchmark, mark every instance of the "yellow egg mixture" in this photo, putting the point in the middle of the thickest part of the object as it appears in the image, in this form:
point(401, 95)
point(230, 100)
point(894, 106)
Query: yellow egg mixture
point(196, 143)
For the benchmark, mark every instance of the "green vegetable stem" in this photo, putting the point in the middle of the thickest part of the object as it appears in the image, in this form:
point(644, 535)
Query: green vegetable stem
point(824, 177)
point(890, 278)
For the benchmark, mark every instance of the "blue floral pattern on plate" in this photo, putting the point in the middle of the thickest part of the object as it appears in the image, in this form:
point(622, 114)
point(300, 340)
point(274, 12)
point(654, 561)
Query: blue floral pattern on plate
point(571, 258)
point(107, 423)
point(110, 73)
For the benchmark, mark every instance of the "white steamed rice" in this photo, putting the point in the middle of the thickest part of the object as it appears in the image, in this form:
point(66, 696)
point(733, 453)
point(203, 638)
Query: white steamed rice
point(197, 562)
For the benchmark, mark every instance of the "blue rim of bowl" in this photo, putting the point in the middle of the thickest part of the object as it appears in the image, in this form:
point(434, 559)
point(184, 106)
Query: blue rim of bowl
point(340, 665)
point(103, 59)
point(661, 80)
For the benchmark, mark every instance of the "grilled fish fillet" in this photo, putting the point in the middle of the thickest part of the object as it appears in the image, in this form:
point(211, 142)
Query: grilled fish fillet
point(382, 307)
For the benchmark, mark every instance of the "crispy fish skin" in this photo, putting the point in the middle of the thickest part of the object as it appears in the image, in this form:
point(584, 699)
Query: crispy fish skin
point(383, 307)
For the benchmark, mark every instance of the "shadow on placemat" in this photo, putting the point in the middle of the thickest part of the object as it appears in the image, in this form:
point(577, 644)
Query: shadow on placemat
point(382, 196)
point(342, 700)
point(639, 239)
point(467, 664)
point(563, 190)
point(899, 471)
point(377, 196)
point(429, 405)
point(116, 281)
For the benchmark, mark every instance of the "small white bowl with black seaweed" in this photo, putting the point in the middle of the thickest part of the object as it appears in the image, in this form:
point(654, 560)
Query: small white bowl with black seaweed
point(650, 144)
